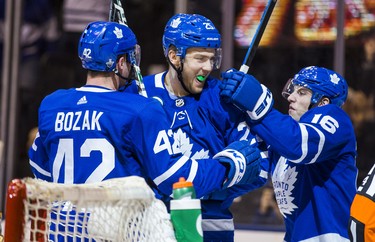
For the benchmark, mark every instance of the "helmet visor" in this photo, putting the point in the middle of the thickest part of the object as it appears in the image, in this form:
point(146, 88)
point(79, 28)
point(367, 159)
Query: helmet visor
point(134, 56)
point(288, 88)
point(301, 88)
point(217, 59)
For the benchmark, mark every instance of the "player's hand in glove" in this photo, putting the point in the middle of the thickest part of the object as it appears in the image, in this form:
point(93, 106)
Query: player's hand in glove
point(242, 162)
point(246, 93)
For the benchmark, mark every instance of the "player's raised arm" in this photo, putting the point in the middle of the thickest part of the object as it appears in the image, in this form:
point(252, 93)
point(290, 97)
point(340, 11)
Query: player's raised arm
point(312, 149)
point(296, 136)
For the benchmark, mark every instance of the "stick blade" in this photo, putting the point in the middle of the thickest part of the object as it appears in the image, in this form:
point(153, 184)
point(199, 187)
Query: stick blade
point(116, 13)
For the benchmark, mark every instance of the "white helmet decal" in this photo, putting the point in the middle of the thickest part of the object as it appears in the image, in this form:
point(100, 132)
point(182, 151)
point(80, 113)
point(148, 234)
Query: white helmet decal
point(175, 23)
point(334, 79)
point(118, 33)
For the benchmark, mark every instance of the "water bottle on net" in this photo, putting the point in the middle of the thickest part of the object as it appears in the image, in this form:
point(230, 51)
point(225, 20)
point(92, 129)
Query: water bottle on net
point(186, 212)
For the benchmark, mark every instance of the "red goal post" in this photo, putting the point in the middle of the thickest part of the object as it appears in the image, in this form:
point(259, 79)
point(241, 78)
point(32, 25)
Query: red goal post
point(120, 209)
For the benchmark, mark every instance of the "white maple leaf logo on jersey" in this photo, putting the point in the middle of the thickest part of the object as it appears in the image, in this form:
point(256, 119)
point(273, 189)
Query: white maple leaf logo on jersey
point(118, 33)
point(334, 78)
point(175, 23)
point(202, 154)
point(283, 179)
point(181, 143)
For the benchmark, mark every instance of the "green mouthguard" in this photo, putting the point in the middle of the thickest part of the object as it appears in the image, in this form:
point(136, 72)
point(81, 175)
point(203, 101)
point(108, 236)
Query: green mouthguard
point(201, 78)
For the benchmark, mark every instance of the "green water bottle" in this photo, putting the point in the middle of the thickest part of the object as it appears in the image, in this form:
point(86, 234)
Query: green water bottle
point(186, 212)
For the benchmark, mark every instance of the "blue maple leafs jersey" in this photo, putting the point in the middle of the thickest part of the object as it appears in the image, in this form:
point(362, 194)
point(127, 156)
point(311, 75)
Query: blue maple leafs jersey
point(91, 133)
point(203, 126)
point(313, 171)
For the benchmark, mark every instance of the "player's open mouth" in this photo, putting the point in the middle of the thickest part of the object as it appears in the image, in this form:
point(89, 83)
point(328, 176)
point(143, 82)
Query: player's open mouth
point(201, 78)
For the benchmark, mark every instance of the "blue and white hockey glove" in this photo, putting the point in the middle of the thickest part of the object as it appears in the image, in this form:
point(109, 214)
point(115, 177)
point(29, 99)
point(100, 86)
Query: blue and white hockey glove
point(242, 162)
point(246, 93)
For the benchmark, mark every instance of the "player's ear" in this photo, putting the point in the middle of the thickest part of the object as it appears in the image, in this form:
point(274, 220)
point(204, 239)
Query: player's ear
point(174, 59)
point(324, 101)
point(121, 63)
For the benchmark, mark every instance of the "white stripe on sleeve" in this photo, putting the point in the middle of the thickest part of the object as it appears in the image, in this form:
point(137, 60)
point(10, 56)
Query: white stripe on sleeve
point(158, 180)
point(39, 169)
point(193, 170)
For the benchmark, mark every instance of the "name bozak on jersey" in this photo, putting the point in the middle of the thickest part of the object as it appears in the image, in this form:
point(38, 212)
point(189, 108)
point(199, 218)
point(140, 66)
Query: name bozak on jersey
point(91, 133)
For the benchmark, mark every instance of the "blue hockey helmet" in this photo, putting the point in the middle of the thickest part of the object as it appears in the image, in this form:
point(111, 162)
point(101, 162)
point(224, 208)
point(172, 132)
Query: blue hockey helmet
point(102, 42)
point(192, 30)
point(322, 82)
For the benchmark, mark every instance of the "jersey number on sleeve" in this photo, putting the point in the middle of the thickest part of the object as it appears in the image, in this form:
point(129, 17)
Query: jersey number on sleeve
point(65, 152)
point(327, 122)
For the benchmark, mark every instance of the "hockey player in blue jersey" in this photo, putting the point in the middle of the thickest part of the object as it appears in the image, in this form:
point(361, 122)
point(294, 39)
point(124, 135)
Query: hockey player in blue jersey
point(93, 133)
point(312, 149)
point(200, 121)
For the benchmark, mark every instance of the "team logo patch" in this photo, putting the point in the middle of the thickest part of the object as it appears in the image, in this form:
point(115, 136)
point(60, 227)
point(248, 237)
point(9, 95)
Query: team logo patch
point(175, 23)
point(180, 102)
point(118, 33)
point(334, 78)
point(284, 179)
point(109, 63)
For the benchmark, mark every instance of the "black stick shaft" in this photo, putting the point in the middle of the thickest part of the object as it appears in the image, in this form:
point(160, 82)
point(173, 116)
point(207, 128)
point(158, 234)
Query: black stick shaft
point(258, 36)
point(117, 14)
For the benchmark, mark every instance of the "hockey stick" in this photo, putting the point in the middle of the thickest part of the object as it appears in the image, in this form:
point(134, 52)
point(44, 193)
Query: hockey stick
point(117, 14)
point(258, 35)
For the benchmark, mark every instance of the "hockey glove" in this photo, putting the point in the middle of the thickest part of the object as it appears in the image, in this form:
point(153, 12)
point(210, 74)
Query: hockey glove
point(246, 93)
point(242, 162)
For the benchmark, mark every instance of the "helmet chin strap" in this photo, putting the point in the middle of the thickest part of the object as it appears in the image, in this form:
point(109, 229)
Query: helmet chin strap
point(128, 80)
point(179, 74)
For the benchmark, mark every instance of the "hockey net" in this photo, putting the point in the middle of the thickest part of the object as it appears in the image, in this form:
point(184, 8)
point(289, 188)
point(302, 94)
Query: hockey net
point(121, 209)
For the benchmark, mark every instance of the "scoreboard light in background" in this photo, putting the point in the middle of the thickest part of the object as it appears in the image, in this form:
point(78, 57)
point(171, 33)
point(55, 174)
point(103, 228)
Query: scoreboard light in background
point(314, 20)
point(248, 19)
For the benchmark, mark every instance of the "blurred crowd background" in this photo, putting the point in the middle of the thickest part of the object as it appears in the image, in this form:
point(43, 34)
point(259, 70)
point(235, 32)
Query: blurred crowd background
point(300, 33)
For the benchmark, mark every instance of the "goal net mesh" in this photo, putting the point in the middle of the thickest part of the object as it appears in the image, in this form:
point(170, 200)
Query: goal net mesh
point(121, 209)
